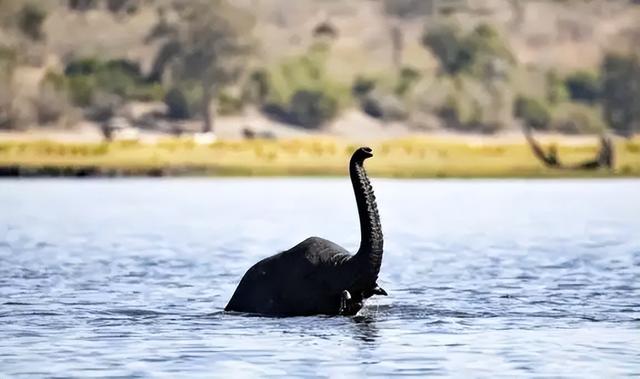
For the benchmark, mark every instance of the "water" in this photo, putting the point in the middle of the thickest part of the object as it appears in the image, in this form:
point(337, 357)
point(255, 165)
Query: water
point(128, 278)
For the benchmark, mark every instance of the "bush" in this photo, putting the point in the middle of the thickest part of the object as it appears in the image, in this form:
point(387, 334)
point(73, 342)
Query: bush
point(575, 118)
point(183, 102)
point(30, 20)
point(81, 90)
point(7, 110)
point(256, 89)
point(446, 43)
point(621, 91)
point(463, 113)
point(301, 85)
point(384, 106)
point(462, 103)
point(118, 6)
point(229, 104)
point(407, 8)
point(50, 104)
point(82, 5)
point(557, 91)
point(118, 77)
point(362, 86)
point(475, 52)
point(584, 86)
point(84, 66)
point(8, 60)
point(103, 106)
point(311, 108)
point(533, 112)
point(408, 77)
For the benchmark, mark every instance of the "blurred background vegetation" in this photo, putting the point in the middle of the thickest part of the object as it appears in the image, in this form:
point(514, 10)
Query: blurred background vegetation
point(360, 69)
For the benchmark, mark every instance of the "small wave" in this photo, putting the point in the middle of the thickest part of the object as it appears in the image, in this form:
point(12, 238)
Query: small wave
point(132, 312)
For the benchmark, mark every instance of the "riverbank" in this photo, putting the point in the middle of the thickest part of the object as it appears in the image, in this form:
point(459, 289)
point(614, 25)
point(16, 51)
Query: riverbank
point(416, 157)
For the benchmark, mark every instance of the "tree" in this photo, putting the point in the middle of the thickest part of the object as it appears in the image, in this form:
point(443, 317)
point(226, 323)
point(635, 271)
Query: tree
point(621, 91)
point(481, 52)
point(533, 112)
point(584, 86)
point(206, 46)
point(30, 20)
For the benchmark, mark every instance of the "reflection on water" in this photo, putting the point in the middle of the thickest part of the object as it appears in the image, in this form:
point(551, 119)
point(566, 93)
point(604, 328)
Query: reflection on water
point(128, 278)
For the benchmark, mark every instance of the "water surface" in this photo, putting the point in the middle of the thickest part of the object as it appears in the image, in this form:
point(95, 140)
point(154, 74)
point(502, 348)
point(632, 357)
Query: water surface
point(128, 278)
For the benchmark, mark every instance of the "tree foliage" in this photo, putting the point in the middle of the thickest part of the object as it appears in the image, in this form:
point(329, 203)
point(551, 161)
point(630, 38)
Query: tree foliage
point(207, 45)
point(300, 85)
point(584, 86)
point(533, 112)
point(621, 92)
point(30, 20)
point(475, 52)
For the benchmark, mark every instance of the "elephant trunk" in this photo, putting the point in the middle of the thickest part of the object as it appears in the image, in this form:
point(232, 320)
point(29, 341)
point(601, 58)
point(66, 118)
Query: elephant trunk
point(369, 255)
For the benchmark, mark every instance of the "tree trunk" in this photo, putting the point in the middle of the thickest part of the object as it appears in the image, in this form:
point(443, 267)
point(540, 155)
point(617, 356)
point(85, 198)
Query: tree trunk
point(397, 45)
point(207, 115)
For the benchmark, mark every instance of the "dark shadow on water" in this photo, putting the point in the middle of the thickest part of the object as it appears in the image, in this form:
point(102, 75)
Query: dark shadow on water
point(365, 329)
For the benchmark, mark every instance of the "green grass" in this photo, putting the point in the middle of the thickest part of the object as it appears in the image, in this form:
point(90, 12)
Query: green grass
point(403, 158)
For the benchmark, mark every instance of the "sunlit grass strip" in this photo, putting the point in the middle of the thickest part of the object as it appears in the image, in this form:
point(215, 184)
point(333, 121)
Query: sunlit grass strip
point(408, 158)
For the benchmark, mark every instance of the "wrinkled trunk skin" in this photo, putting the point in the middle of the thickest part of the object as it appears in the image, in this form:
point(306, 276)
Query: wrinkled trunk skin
point(369, 256)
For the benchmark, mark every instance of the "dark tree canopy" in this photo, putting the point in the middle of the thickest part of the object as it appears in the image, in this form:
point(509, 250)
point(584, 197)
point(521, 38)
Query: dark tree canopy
point(208, 45)
point(621, 92)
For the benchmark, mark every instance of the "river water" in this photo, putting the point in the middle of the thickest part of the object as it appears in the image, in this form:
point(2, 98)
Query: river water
point(128, 278)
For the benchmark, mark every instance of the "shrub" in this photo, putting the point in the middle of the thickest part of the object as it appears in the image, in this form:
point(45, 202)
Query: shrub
point(103, 107)
point(463, 103)
point(84, 66)
point(184, 101)
point(117, 6)
point(82, 5)
point(557, 91)
point(362, 86)
point(30, 20)
point(446, 43)
point(408, 77)
point(474, 52)
point(462, 113)
point(8, 59)
point(229, 104)
point(256, 89)
point(533, 112)
point(50, 104)
point(7, 109)
point(584, 86)
point(301, 84)
point(621, 91)
point(81, 90)
point(311, 108)
point(118, 77)
point(384, 106)
point(576, 118)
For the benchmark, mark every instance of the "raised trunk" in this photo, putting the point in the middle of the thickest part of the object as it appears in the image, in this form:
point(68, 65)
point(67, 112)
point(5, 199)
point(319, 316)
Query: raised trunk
point(369, 255)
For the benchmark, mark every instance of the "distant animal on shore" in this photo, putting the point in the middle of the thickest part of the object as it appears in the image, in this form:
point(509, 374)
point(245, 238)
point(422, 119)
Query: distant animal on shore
point(318, 276)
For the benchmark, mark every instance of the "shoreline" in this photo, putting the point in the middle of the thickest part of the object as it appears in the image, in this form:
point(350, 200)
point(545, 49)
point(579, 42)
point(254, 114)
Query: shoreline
point(422, 156)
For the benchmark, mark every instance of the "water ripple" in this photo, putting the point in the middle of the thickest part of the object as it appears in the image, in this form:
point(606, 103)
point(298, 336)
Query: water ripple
point(484, 277)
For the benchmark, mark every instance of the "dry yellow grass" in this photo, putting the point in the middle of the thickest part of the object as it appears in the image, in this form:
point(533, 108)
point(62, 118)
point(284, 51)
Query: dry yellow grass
point(415, 157)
